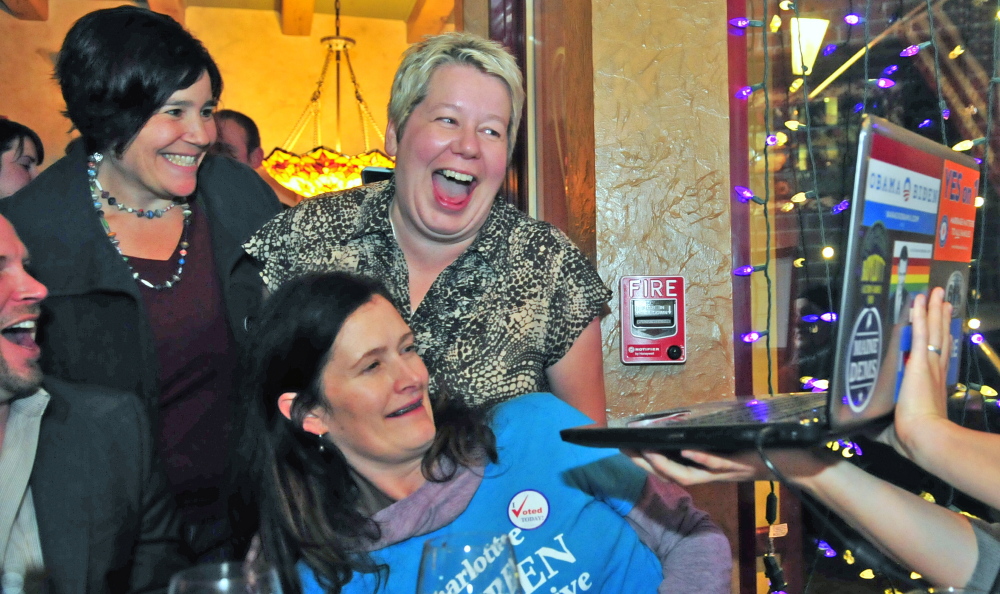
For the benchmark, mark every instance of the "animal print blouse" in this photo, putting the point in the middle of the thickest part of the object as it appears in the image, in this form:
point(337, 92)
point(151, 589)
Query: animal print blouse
point(509, 307)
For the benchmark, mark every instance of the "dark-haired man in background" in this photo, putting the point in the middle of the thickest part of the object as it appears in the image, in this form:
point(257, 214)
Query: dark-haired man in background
point(239, 139)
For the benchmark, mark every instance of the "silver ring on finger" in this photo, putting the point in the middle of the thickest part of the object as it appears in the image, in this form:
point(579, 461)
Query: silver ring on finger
point(934, 349)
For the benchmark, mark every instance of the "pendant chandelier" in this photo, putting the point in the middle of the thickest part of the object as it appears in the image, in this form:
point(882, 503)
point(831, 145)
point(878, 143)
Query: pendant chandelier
point(322, 169)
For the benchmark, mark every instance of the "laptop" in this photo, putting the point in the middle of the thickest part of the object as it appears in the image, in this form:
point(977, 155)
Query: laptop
point(912, 218)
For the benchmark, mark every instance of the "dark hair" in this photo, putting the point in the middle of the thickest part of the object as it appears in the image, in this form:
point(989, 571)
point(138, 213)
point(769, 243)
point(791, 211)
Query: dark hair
point(117, 66)
point(12, 135)
point(243, 121)
point(301, 500)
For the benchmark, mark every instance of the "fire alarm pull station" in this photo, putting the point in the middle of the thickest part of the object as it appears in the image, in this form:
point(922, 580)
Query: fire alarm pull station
point(653, 328)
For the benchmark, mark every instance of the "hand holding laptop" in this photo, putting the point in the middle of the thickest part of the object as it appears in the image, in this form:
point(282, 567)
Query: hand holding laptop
point(795, 464)
point(922, 406)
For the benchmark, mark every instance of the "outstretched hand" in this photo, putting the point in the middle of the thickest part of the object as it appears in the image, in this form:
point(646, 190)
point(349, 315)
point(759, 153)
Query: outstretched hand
point(922, 399)
point(711, 468)
point(728, 468)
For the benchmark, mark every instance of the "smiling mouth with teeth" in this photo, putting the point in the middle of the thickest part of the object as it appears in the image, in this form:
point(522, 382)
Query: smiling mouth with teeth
point(406, 409)
point(453, 188)
point(183, 160)
point(21, 334)
point(455, 176)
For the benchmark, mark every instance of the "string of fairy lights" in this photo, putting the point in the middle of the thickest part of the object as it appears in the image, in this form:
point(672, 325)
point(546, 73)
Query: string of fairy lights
point(808, 200)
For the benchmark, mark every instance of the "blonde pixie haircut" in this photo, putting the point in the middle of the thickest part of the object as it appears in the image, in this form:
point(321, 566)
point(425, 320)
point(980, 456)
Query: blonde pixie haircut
point(420, 61)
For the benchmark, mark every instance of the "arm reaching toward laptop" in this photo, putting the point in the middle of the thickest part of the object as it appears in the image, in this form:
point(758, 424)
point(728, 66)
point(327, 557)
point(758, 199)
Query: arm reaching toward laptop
point(926, 537)
point(940, 544)
point(922, 431)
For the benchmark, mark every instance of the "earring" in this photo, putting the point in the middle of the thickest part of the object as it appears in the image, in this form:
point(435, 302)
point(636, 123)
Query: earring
point(322, 443)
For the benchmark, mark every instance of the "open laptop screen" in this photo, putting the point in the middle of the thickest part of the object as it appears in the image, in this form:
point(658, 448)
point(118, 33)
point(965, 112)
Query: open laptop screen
point(911, 229)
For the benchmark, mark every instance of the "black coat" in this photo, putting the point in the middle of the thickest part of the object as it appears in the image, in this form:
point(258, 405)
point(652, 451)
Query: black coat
point(94, 328)
point(106, 521)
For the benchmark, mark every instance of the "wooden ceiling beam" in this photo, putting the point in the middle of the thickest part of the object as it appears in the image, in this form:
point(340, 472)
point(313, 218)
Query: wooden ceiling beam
point(297, 16)
point(172, 8)
point(428, 17)
point(28, 10)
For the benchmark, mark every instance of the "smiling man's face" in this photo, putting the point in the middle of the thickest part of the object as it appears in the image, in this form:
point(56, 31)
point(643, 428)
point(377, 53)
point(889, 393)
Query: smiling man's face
point(20, 299)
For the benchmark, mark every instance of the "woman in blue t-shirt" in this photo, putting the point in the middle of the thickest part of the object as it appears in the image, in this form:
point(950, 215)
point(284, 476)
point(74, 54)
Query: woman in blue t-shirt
point(352, 466)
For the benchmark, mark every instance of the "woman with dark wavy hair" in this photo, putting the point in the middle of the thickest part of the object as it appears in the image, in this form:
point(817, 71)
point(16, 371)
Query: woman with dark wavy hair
point(351, 465)
point(137, 234)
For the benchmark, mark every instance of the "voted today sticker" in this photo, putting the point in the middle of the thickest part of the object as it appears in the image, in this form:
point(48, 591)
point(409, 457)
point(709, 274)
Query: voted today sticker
point(528, 509)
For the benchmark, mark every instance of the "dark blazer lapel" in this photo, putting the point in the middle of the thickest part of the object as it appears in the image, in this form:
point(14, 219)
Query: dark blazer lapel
point(218, 178)
point(59, 490)
point(237, 202)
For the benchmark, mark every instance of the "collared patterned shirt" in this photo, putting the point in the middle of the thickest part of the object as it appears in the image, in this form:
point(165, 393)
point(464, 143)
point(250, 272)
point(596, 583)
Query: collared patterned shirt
point(20, 547)
point(508, 308)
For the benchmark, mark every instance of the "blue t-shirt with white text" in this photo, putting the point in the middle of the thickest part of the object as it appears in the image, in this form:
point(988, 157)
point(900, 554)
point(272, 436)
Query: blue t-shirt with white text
point(563, 506)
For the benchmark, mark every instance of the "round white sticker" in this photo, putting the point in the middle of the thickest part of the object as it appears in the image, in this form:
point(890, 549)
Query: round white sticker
point(528, 510)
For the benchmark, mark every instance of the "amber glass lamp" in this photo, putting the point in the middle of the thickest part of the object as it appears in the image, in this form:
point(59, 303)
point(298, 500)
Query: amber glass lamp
point(323, 169)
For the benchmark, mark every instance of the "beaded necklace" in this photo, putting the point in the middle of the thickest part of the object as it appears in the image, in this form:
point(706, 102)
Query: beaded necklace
point(98, 194)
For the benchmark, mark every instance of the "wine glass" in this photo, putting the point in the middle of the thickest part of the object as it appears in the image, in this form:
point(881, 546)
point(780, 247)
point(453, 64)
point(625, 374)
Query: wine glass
point(226, 578)
point(476, 563)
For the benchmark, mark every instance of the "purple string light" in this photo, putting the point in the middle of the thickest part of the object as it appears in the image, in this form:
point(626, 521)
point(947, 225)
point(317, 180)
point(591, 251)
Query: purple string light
point(829, 49)
point(826, 317)
point(744, 22)
point(853, 19)
point(913, 50)
point(747, 270)
point(743, 193)
point(745, 92)
point(826, 548)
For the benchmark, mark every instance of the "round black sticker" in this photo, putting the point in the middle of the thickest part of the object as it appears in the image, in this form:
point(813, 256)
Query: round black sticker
point(865, 357)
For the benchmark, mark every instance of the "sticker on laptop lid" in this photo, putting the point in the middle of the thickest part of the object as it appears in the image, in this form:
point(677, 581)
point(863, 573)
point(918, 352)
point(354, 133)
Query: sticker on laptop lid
point(864, 358)
point(864, 348)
